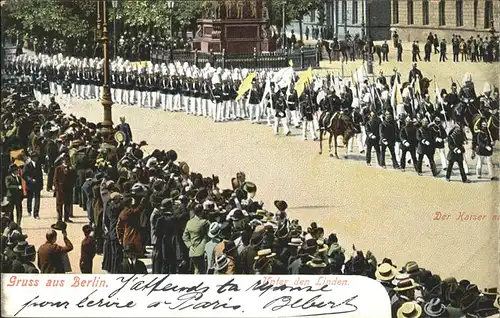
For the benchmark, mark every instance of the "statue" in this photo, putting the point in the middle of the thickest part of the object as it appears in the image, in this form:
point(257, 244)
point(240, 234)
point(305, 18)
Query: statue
point(216, 9)
point(229, 8)
point(198, 32)
point(239, 9)
point(265, 11)
point(264, 34)
point(253, 9)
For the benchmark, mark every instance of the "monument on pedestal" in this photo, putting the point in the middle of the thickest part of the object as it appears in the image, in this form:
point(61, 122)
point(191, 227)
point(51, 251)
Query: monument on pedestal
point(235, 26)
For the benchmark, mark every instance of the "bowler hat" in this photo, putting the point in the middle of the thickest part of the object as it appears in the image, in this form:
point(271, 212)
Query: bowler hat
point(281, 205)
point(60, 225)
point(29, 251)
point(20, 247)
point(434, 308)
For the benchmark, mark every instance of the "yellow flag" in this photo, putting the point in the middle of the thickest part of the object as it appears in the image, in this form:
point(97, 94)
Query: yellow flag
point(245, 85)
point(290, 63)
point(399, 97)
point(304, 79)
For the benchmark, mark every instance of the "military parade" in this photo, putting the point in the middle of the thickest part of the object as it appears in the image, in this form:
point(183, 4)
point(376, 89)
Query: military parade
point(383, 117)
point(145, 128)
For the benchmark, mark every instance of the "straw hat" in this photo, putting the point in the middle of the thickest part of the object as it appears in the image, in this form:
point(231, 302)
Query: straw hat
point(264, 253)
point(409, 310)
point(316, 262)
point(385, 272)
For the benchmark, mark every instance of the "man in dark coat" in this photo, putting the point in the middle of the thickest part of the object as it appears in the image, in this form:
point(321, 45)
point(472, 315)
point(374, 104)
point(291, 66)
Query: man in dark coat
point(130, 263)
point(372, 129)
point(14, 194)
point(388, 137)
point(88, 250)
point(164, 225)
point(456, 141)
point(113, 254)
point(50, 255)
point(33, 175)
point(64, 180)
point(27, 257)
point(426, 147)
point(484, 151)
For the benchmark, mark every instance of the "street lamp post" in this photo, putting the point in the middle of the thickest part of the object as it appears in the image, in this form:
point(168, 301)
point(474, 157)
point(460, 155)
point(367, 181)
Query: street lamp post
point(283, 27)
point(369, 64)
point(171, 5)
point(363, 31)
point(115, 7)
point(106, 100)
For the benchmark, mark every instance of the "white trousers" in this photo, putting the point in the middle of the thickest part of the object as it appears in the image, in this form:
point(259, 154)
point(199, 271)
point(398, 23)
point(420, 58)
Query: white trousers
point(66, 100)
point(177, 102)
point(229, 110)
point(442, 158)
point(216, 111)
point(489, 164)
point(308, 125)
point(254, 112)
point(359, 140)
point(284, 123)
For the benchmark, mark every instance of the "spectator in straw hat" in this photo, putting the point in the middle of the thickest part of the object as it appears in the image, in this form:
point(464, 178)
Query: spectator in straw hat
point(409, 310)
point(315, 266)
point(213, 234)
point(221, 264)
point(385, 274)
point(248, 254)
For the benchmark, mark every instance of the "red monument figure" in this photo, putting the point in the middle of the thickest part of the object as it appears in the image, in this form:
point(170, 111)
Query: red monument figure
point(235, 26)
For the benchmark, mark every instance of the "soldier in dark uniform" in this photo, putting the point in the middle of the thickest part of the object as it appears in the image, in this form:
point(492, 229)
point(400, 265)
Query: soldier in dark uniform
point(385, 52)
point(307, 111)
point(439, 138)
point(45, 89)
point(254, 99)
point(414, 72)
point(426, 109)
point(484, 151)
point(66, 90)
point(292, 103)
point(279, 103)
point(196, 98)
point(141, 87)
point(426, 147)
point(205, 97)
point(409, 142)
point(226, 101)
point(186, 93)
point(372, 129)
point(486, 104)
point(358, 121)
point(388, 136)
point(456, 141)
point(164, 91)
point(216, 100)
point(176, 92)
point(235, 107)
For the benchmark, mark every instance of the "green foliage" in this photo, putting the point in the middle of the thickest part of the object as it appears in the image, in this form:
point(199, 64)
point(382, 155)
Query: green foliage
point(62, 18)
point(294, 10)
point(321, 15)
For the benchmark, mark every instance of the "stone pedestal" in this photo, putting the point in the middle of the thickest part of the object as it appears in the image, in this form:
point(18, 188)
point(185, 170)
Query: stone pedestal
point(235, 26)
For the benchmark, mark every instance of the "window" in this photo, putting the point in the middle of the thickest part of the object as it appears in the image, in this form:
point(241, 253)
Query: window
point(395, 11)
point(442, 16)
point(460, 13)
point(425, 12)
point(354, 12)
point(488, 13)
point(312, 16)
point(344, 11)
point(410, 11)
point(476, 3)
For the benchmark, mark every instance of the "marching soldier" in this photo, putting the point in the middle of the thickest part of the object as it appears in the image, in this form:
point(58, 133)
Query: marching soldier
point(164, 91)
point(484, 151)
point(307, 112)
point(409, 142)
point(217, 98)
point(357, 119)
point(279, 103)
point(225, 108)
point(439, 138)
point(292, 102)
point(426, 146)
point(45, 89)
point(185, 91)
point(205, 95)
point(66, 90)
point(372, 129)
point(176, 92)
point(486, 102)
point(254, 98)
point(388, 134)
point(456, 150)
point(426, 108)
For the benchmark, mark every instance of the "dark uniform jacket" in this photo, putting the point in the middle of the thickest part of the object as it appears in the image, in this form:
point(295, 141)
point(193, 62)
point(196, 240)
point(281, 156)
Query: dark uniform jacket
point(373, 131)
point(439, 135)
point(456, 140)
point(483, 141)
point(424, 136)
point(388, 132)
point(33, 175)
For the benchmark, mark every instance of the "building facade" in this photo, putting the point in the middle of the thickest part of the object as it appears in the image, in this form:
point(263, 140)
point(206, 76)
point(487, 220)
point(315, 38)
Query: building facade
point(414, 19)
point(370, 17)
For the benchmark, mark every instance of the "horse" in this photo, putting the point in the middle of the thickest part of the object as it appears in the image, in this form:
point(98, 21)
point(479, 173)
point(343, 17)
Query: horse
point(465, 111)
point(425, 83)
point(336, 124)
